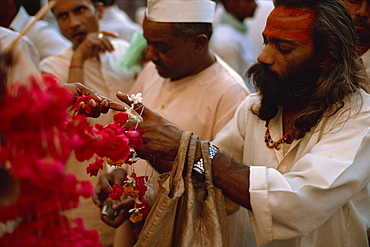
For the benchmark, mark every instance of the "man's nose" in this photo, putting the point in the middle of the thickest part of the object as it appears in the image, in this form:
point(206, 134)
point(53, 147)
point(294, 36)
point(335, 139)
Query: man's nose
point(266, 56)
point(74, 20)
point(150, 53)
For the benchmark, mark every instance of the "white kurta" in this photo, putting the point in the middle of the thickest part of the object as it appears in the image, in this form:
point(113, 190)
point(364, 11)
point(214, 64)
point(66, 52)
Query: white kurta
point(202, 103)
point(106, 78)
point(47, 40)
point(315, 194)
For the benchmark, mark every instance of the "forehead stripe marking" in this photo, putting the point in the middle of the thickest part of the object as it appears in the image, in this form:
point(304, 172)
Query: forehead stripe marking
point(290, 23)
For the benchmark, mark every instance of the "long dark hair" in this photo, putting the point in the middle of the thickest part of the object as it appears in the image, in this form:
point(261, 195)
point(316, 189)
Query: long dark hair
point(334, 40)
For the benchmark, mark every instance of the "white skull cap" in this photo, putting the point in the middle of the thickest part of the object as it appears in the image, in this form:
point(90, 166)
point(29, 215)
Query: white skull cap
point(180, 10)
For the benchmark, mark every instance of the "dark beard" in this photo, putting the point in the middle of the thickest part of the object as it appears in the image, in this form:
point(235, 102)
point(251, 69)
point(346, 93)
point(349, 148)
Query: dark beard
point(294, 90)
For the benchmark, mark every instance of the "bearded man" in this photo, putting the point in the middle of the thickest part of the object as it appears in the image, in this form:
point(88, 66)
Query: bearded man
point(296, 154)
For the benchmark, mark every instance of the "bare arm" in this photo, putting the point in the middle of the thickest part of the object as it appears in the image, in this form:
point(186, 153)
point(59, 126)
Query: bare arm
point(94, 44)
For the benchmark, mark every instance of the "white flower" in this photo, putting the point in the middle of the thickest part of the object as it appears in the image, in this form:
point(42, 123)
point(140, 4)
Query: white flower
point(136, 98)
point(136, 210)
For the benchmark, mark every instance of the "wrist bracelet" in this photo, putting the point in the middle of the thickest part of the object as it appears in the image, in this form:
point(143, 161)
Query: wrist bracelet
point(212, 151)
point(76, 66)
point(199, 166)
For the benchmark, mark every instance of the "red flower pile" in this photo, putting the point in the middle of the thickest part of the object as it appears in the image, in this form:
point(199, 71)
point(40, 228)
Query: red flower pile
point(38, 140)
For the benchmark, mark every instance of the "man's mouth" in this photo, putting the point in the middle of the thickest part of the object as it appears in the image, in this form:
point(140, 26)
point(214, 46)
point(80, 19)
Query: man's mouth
point(78, 35)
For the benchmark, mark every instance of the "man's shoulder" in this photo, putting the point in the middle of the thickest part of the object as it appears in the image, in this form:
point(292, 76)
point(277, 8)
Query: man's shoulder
point(224, 74)
point(42, 31)
point(148, 74)
point(61, 56)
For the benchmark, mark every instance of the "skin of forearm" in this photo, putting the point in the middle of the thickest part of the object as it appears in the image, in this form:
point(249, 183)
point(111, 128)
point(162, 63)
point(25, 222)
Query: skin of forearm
point(76, 73)
point(161, 165)
point(232, 178)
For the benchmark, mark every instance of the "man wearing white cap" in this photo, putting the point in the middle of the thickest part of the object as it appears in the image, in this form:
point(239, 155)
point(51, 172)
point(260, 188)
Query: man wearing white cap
point(185, 81)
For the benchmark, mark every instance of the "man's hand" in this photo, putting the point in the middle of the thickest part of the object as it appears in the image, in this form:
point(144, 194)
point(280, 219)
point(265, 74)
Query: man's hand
point(123, 208)
point(98, 103)
point(94, 44)
point(101, 191)
point(161, 138)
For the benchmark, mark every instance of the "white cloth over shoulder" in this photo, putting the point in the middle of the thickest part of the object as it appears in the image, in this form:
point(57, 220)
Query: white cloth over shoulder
point(47, 40)
point(27, 57)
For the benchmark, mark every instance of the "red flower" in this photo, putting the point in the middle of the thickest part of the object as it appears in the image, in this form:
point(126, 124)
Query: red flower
point(94, 168)
point(141, 185)
point(117, 192)
point(135, 137)
point(121, 118)
point(144, 211)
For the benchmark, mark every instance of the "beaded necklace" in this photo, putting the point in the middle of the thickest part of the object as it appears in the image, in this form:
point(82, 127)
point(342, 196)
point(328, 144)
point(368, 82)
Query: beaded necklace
point(270, 143)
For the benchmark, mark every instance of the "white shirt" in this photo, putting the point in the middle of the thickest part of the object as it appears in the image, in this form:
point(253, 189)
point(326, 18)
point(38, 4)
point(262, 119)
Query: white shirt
point(202, 103)
point(47, 40)
point(27, 57)
point(116, 20)
point(316, 194)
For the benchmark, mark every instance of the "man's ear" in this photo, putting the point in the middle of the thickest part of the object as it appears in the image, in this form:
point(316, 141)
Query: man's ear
point(100, 8)
point(200, 43)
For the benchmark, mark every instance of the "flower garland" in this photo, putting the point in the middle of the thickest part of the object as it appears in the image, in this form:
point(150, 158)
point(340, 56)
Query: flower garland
point(116, 146)
point(38, 139)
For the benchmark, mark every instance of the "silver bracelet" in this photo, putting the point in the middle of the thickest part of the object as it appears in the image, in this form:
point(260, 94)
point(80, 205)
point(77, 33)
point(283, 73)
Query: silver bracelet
point(212, 151)
point(199, 166)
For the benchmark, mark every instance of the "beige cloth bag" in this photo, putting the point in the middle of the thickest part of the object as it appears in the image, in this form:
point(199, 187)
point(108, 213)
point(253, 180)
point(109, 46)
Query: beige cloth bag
point(186, 212)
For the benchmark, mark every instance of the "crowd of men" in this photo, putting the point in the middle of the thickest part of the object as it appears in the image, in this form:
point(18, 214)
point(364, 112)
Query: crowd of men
point(289, 124)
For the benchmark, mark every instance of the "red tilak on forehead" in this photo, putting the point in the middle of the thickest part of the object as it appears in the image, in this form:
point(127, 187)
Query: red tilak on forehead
point(289, 23)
